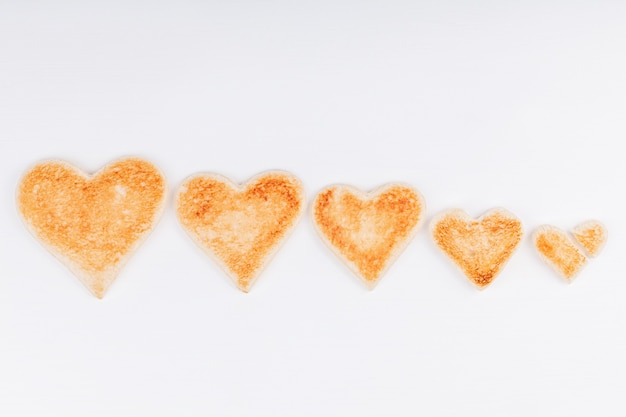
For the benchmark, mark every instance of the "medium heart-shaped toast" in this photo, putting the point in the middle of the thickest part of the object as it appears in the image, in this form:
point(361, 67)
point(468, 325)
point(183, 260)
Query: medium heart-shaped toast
point(559, 251)
point(480, 248)
point(592, 236)
point(240, 226)
point(368, 231)
point(93, 224)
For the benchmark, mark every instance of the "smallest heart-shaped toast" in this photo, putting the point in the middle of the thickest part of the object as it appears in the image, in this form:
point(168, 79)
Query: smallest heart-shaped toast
point(92, 223)
point(368, 231)
point(240, 226)
point(480, 248)
point(565, 254)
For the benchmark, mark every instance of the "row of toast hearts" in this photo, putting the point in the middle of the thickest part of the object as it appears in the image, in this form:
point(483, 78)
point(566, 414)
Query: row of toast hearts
point(94, 223)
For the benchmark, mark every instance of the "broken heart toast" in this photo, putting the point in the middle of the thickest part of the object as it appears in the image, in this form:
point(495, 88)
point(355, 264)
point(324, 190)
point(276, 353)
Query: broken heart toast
point(565, 253)
point(240, 226)
point(479, 247)
point(92, 223)
point(368, 231)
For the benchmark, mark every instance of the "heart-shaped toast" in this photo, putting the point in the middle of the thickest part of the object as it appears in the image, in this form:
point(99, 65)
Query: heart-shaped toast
point(93, 224)
point(592, 236)
point(240, 226)
point(480, 248)
point(368, 231)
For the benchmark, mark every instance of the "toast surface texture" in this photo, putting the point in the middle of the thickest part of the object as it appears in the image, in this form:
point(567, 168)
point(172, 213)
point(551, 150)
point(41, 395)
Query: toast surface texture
point(240, 226)
point(368, 231)
point(479, 247)
point(92, 223)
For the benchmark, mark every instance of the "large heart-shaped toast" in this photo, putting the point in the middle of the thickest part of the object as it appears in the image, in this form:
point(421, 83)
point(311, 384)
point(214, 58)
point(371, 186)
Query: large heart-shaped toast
point(93, 224)
point(368, 231)
point(480, 248)
point(240, 226)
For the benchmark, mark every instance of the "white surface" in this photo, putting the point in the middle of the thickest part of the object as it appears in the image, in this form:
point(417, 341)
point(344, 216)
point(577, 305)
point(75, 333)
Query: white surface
point(477, 104)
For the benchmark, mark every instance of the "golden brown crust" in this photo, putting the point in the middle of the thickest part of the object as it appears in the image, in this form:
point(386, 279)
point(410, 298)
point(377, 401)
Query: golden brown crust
point(591, 235)
point(240, 227)
point(92, 223)
point(480, 248)
point(368, 231)
point(557, 249)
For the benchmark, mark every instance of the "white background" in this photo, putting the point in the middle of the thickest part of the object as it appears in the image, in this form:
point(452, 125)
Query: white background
point(477, 104)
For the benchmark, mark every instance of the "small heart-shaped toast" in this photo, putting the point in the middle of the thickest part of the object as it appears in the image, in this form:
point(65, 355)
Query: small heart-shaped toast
point(592, 236)
point(240, 226)
point(93, 224)
point(559, 251)
point(368, 231)
point(480, 248)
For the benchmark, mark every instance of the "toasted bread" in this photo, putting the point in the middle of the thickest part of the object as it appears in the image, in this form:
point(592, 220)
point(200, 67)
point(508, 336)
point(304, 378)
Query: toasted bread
point(241, 227)
point(368, 231)
point(559, 251)
point(592, 236)
point(92, 223)
point(480, 248)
